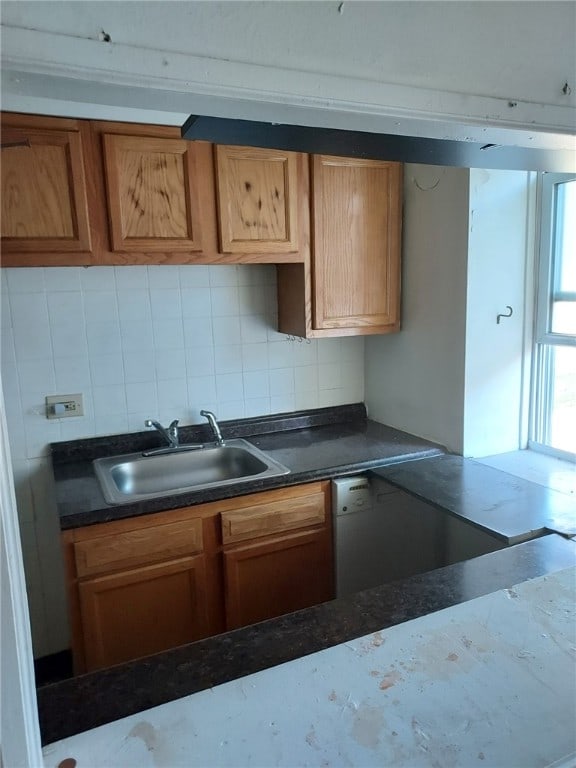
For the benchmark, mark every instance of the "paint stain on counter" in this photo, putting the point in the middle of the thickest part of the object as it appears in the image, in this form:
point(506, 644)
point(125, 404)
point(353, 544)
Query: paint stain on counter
point(390, 679)
point(311, 738)
point(155, 742)
point(367, 726)
point(368, 644)
point(147, 733)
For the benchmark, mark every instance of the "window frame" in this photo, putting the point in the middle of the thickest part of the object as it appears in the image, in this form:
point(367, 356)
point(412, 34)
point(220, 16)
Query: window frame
point(549, 223)
point(545, 340)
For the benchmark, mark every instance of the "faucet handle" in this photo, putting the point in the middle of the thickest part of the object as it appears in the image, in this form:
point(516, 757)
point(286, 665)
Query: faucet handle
point(214, 425)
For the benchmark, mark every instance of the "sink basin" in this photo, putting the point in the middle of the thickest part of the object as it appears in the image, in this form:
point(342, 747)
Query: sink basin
point(132, 476)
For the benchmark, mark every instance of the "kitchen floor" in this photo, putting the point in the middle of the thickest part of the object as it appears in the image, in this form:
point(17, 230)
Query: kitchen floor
point(537, 467)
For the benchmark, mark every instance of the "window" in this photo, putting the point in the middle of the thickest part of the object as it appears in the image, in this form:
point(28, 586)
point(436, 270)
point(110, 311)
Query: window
point(553, 422)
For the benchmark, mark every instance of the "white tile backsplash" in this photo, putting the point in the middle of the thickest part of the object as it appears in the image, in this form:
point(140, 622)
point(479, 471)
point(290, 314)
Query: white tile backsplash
point(101, 305)
point(193, 329)
point(68, 307)
point(198, 277)
point(228, 358)
point(168, 333)
point(253, 329)
point(58, 279)
point(196, 302)
point(144, 342)
point(96, 278)
point(225, 301)
point(103, 337)
point(24, 280)
point(256, 384)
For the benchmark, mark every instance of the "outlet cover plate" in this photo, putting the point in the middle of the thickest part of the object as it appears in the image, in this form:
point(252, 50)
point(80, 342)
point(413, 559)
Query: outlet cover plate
point(64, 406)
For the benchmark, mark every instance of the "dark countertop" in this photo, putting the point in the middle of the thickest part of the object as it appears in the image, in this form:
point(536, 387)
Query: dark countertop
point(85, 702)
point(314, 445)
point(513, 509)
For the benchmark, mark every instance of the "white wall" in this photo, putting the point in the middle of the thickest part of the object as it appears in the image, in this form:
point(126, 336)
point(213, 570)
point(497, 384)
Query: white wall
point(382, 41)
point(415, 379)
point(143, 342)
point(19, 732)
point(493, 72)
point(453, 374)
point(499, 263)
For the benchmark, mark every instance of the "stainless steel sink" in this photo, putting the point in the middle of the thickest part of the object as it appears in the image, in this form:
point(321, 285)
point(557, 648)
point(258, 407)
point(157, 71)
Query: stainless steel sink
point(132, 476)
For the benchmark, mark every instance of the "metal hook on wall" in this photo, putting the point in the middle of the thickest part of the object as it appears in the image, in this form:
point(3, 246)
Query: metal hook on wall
point(510, 313)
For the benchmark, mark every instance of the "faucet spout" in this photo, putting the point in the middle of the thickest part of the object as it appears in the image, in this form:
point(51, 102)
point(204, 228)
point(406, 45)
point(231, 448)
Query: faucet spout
point(214, 424)
point(170, 434)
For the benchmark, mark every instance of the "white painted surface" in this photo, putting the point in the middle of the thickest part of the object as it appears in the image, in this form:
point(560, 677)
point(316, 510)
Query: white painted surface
point(488, 682)
point(19, 732)
point(415, 379)
point(137, 342)
point(459, 70)
point(498, 257)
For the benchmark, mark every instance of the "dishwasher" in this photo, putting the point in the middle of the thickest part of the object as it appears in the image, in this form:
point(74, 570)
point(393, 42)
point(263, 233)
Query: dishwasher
point(382, 533)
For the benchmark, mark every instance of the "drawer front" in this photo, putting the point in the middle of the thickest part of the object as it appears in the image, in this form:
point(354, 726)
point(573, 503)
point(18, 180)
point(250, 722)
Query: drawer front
point(162, 542)
point(274, 517)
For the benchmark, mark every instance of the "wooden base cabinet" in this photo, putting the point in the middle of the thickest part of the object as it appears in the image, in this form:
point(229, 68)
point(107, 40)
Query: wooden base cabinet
point(278, 554)
point(142, 585)
point(277, 576)
point(150, 583)
point(135, 613)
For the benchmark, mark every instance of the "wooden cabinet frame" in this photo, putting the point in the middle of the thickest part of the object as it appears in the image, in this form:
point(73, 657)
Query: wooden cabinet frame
point(77, 238)
point(270, 204)
point(190, 620)
point(107, 206)
point(134, 198)
point(303, 288)
point(207, 549)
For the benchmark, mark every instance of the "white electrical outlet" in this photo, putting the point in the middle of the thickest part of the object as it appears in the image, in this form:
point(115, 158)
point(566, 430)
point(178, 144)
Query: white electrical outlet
point(64, 406)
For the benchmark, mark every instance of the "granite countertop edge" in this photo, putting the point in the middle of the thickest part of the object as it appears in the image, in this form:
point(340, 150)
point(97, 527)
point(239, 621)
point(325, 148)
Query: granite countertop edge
point(101, 697)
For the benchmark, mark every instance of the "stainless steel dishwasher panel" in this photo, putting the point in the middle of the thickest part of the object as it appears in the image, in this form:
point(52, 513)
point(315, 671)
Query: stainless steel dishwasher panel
point(382, 534)
point(356, 536)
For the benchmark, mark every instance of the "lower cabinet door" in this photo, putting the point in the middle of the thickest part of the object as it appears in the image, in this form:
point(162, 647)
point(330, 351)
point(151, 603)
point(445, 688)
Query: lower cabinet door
point(278, 576)
point(142, 611)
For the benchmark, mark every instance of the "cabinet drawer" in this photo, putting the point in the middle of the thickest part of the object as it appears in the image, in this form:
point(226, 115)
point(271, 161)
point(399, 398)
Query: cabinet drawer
point(109, 553)
point(273, 517)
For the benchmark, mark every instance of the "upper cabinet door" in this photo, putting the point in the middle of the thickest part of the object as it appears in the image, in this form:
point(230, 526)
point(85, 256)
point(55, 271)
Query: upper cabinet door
point(356, 244)
point(152, 189)
point(257, 193)
point(44, 195)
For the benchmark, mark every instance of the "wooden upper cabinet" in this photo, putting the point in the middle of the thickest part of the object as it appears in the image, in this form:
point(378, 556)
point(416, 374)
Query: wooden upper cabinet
point(152, 193)
point(45, 217)
point(356, 244)
point(257, 192)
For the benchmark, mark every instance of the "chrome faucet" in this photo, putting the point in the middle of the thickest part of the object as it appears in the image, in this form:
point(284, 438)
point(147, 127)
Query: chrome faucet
point(214, 424)
point(170, 434)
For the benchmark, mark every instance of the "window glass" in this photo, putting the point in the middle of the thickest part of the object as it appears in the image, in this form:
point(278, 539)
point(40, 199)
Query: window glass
point(555, 423)
point(564, 256)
